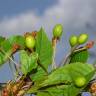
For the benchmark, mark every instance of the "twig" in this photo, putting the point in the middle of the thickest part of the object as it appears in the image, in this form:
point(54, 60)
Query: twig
point(9, 57)
point(11, 68)
point(16, 67)
point(2, 84)
point(14, 64)
point(67, 58)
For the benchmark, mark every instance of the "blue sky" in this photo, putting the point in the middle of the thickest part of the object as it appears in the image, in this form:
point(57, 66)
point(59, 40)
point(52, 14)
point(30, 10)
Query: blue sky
point(19, 16)
point(15, 7)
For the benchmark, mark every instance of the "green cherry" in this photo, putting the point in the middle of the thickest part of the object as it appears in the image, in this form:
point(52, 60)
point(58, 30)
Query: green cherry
point(80, 81)
point(30, 41)
point(73, 40)
point(57, 30)
point(82, 38)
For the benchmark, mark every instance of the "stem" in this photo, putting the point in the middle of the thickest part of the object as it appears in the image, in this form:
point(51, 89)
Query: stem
point(9, 57)
point(2, 85)
point(14, 64)
point(42, 67)
point(67, 58)
point(54, 54)
point(11, 68)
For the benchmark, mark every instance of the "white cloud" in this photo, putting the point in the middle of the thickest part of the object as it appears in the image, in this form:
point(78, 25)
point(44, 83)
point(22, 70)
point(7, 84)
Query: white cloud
point(73, 14)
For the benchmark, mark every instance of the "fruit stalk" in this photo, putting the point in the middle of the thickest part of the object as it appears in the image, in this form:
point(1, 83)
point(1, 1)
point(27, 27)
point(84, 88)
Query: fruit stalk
point(57, 33)
point(54, 42)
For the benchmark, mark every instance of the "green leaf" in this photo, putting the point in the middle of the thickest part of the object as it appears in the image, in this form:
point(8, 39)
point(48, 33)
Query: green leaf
point(5, 45)
point(1, 58)
point(1, 39)
point(39, 75)
point(24, 59)
point(61, 90)
point(73, 90)
point(44, 94)
point(28, 63)
point(44, 50)
point(61, 75)
point(20, 40)
point(80, 56)
point(61, 81)
point(86, 70)
point(4, 57)
point(67, 74)
point(5, 51)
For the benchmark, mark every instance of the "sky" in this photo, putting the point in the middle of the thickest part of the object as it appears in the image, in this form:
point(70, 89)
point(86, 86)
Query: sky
point(19, 16)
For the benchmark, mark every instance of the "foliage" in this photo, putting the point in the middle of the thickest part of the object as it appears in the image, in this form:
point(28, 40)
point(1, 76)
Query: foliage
point(36, 74)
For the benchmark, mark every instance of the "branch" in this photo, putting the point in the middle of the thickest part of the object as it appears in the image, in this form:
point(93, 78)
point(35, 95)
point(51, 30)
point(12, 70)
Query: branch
point(9, 58)
point(2, 84)
point(67, 58)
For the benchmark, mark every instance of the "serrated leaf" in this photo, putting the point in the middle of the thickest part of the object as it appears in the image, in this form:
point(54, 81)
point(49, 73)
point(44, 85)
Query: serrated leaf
point(67, 90)
point(44, 48)
point(24, 59)
point(28, 63)
point(4, 57)
point(20, 40)
point(65, 73)
point(61, 75)
point(39, 75)
point(69, 73)
point(5, 51)
point(5, 45)
point(61, 90)
point(80, 56)
point(61, 81)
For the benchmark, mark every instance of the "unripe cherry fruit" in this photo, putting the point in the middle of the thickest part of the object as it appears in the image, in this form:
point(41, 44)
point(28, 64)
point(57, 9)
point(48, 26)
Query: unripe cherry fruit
point(73, 40)
point(57, 30)
point(82, 38)
point(80, 81)
point(30, 41)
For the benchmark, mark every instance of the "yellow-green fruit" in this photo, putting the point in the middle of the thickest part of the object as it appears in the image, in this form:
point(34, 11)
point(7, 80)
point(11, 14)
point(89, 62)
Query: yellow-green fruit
point(83, 38)
point(30, 42)
point(80, 81)
point(73, 40)
point(57, 30)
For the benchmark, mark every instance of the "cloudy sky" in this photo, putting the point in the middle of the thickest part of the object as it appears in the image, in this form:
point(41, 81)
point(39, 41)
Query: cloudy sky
point(19, 16)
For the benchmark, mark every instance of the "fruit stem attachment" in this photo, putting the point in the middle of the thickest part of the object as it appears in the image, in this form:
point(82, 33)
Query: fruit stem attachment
point(54, 42)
